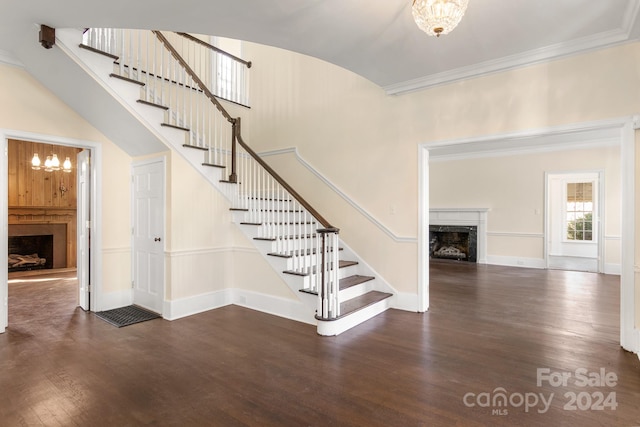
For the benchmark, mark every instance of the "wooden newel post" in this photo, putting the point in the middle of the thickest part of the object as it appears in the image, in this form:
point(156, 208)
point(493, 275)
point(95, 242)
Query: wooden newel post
point(235, 134)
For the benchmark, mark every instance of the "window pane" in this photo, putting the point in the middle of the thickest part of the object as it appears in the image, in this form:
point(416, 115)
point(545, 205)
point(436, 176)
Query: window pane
point(588, 235)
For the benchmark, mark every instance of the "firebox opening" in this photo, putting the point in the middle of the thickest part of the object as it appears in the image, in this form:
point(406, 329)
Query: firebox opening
point(453, 242)
point(30, 252)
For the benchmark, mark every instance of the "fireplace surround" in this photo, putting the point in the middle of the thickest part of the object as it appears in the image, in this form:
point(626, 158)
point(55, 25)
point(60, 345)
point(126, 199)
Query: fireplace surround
point(471, 221)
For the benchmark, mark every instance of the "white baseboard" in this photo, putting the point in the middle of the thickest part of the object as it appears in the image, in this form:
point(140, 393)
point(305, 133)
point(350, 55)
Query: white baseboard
point(117, 299)
point(614, 269)
point(282, 307)
point(512, 261)
point(188, 306)
point(405, 301)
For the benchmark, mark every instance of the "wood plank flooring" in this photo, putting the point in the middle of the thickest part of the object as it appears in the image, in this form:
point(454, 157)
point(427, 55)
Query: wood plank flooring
point(488, 327)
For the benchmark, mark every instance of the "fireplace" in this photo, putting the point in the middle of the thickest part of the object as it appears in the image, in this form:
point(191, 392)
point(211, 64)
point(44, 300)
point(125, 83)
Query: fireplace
point(453, 242)
point(453, 229)
point(30, 252)
point(37, 246)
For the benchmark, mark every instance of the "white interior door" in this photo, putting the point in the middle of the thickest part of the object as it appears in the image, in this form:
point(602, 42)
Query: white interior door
point(148, 234)
point(574, 221)
point(84, 229)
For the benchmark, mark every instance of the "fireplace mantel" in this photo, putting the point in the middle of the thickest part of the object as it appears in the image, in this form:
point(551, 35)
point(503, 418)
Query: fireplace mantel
point(464, 216)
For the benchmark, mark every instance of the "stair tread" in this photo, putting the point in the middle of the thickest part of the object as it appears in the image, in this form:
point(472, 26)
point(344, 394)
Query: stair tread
point(345, 283)
point(354, 280)
point(273, 239)
point(152, 104)
point(98, 51)
point(169, 125)
point(295, 253)
point(213, 165)
point(358, 303)
point(279, 223)
point(127, 79)
point(341, 264)
point(194, 146)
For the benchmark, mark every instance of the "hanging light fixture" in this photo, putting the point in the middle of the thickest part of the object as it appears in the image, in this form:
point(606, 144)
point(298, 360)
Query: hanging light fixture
point(51, 163)
point(436, 17)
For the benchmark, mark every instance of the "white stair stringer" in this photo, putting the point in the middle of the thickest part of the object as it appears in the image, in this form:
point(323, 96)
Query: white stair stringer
point(100, 67)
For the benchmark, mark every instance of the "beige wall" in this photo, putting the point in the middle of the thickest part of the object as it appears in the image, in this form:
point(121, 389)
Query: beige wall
point(29, 107)
point(366, 142)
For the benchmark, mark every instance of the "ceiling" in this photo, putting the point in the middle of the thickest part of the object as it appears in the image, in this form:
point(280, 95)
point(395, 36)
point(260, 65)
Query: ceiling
point(377, 40)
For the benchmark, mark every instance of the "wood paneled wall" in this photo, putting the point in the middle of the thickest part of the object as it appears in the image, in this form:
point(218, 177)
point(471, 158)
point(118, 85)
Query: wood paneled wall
point(40, 197)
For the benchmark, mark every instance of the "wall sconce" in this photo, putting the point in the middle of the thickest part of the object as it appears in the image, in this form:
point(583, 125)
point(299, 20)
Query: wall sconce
point(52, 163)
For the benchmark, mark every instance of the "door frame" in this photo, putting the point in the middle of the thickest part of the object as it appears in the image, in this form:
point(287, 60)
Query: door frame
point(162, 159)
point(619, 131)
point(95, 258)
point(600, 213)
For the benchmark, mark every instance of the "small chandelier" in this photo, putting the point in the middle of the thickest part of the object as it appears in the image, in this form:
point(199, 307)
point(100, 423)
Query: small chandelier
point(436, 17)
point(52, 163)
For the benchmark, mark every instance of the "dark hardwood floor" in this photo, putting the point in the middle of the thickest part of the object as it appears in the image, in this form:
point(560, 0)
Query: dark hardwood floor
point(488, 331)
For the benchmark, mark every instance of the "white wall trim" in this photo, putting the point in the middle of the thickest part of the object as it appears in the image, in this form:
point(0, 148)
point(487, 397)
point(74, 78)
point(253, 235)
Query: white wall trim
point(513, 261)
point(337, 190)
point(534, 56)
point(188, 306)
point(96, 208)
point(7, 58)
point(278, 306)
point(201, 251)
point(515, 234)
point(624, 129)
point(282, 307)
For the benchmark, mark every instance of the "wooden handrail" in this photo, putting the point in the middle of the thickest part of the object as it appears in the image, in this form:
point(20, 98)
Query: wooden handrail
point(193, 75)
point(216, 49)
point(238, 136)
point(282, 182)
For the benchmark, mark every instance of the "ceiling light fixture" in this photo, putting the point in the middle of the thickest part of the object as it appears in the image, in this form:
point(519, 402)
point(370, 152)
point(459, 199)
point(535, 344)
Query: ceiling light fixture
point(52, 163)
point(436, 17)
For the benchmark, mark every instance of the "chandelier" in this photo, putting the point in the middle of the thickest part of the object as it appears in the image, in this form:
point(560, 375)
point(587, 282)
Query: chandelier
point(52, 163)
point(436, 17)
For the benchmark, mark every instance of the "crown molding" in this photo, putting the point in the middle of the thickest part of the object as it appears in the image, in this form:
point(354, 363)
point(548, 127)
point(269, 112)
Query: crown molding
point(7, 58)
point(534, 56)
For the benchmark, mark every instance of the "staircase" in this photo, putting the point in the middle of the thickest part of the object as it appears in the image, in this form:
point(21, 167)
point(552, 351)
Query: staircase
point(157, 77)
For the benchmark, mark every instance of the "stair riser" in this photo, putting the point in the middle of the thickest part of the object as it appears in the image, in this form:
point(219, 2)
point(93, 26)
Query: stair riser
point(356, 291)
point(276, 217)
point(336, 327)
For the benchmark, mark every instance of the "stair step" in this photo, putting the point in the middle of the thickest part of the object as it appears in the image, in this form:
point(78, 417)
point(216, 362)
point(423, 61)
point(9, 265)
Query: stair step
point(213, 165)
point(98, 51)
point(273, 239)
point(279, 223)
point(226, 181)
point(195, 147)
point(295, 253)
point(358, 303)
point(174, 126)
point(354, 280)
point(346, 283)
point(239, 209)
point(126, 79)
point(341, 264)
point(152, 104)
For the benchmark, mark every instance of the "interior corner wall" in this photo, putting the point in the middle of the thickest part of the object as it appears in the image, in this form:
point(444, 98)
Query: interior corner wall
point(365, 142)
point(29, 107)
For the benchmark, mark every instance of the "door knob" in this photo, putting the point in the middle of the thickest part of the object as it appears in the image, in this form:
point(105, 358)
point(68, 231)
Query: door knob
point(157, 239)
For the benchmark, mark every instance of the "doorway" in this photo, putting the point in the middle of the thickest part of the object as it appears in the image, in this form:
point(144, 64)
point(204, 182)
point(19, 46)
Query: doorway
point(58, 187)
point(574, 217)
point(618, 131)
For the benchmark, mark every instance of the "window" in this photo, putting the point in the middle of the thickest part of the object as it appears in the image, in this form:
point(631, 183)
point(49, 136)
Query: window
point(580, 205)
